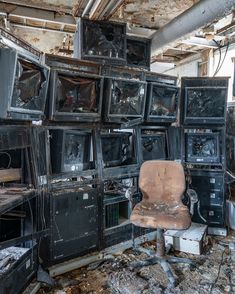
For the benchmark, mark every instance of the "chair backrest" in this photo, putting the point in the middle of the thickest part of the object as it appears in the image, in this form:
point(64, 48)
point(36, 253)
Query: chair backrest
point(161, 181)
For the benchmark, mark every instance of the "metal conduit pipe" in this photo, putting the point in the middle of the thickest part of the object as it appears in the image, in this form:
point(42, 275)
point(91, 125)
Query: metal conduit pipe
point(199, 15)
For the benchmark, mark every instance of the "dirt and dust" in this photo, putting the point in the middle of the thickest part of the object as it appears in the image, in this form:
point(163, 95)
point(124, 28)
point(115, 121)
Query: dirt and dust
point(212, 274)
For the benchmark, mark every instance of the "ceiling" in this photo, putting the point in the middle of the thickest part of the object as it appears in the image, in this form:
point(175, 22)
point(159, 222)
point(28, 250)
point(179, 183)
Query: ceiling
point(49, 25)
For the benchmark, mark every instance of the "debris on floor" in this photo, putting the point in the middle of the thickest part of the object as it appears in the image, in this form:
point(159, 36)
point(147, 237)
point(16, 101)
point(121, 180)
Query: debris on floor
point(213, 274)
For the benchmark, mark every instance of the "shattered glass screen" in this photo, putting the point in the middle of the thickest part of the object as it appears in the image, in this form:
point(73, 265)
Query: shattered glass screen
point(76, 152)
point(137, 53)
point(164, 101)
point(127, 98)
point(154, 147)
point(29, 86)
point(103, 40)
point(77, 94)
point(205, 102)
point(205, 146)
point(116, 150)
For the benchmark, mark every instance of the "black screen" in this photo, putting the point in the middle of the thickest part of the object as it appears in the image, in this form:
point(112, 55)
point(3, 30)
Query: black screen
point(207, 102)
point(116, 149)
point(138, 53)
point(103, 40)
point(164, 101)
point(77, 94)
point(153, 147)
point(127, 98)
point(29, 86)
point(76, 152)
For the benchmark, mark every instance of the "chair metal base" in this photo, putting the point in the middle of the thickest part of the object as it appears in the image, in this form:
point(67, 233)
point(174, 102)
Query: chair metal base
point(160, 258)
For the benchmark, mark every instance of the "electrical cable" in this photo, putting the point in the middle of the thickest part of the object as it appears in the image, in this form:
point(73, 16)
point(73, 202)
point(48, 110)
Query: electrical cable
point(225, 54)
point(220, 54)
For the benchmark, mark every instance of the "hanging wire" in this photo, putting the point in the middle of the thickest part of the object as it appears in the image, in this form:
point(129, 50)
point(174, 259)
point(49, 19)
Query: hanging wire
point(220, 54)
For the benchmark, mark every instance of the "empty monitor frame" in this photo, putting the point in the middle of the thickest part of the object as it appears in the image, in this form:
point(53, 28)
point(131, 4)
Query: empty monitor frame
point(153, 145)
point(71, 151)
point(23, 85)
point(203, 147)
point(124, 100)
point(103, 42)
point(138, 52)
point(204, 100)
point(75, 96)
point(162, 103)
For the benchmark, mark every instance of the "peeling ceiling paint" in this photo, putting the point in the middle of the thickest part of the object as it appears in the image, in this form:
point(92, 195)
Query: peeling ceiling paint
point(152, 13)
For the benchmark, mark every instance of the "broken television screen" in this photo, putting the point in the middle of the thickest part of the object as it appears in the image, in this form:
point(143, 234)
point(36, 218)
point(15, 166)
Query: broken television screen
point(205, 102)
point(203, 147)
point(30, 84)
point(153, 146)
point(77, 94)
point(76, 155)
point(164, 101)
point(116, 149)
point(103, 40)
point(127, 98)
point(138, 53)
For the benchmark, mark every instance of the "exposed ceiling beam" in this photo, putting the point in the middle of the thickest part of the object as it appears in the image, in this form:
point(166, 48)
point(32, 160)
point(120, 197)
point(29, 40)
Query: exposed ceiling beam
point(40, 28)
point(199, 15)
point(200, 42)
point(40, 5)
point(37, 14)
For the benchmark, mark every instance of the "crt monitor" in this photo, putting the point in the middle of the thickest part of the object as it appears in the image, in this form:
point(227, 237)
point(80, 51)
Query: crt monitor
point(138, 52)
point(116, 149)
point(204, 100)
point(23, 86)
point(70, 150)
point(162, 103)
point(202, 148)
point(125, 99)
point(75, 97)
point(100, 41)
point(153, 146)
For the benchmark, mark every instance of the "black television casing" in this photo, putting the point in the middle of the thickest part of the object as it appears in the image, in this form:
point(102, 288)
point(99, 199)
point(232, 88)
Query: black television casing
point(154, 146)
point(13, 105)
point(70, 113)
point(199, 139)
point(119, 113)
point(138, 52)
point(164, 113)
point(82, 145)
point(111, 35)
point(207, 103)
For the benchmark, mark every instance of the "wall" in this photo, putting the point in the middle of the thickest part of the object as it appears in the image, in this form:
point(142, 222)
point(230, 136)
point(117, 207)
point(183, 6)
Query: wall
point(227, 68)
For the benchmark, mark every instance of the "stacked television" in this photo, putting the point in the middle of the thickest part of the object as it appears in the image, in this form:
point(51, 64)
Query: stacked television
point(203, 116)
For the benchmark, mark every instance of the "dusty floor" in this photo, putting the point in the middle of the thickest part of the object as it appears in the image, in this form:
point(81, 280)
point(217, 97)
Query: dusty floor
point(213, 274)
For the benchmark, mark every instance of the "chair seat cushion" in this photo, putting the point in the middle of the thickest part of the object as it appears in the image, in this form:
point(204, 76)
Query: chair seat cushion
point(161, 216)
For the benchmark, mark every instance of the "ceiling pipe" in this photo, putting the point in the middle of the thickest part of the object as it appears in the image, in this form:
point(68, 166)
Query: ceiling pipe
point(199, 15)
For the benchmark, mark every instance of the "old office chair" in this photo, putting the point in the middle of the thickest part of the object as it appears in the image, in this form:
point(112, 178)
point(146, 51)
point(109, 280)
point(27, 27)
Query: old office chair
point(162, 184)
